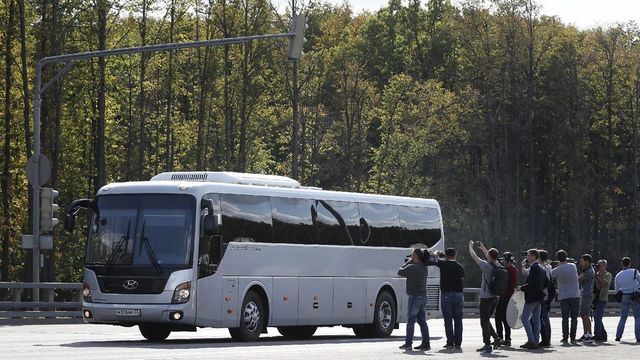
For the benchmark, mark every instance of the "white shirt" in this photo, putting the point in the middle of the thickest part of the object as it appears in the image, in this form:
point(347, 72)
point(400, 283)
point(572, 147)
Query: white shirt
point(625, 281)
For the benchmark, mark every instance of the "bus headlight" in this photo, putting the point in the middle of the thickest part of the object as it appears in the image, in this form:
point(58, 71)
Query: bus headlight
point(86, 292)
point(182, 293)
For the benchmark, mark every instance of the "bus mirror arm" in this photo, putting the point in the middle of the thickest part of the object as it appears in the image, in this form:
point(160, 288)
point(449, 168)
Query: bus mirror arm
point(76, 205)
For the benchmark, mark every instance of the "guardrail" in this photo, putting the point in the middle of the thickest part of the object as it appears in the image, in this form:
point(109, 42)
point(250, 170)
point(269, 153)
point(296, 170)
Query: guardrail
point(51, 307)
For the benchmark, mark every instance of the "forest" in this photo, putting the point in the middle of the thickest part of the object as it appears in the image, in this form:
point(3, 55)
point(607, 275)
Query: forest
point(524, 128)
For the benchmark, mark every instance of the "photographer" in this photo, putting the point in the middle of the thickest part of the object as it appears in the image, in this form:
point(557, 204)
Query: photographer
point(533, 296)
point(586, 280)
point(628, 283)
point(603, 281)
point(566, 276)
point(451, 297)
point(488, 301)
point(501, 309)
point(416, 273)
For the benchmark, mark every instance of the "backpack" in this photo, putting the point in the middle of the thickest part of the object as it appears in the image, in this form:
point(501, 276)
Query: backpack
point(499, 280)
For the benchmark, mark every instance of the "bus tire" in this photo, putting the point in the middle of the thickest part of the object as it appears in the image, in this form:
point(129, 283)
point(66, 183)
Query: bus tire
point(297, 332)
point(363, 331)
point(154, 332)
point(385, 315)
point(252, 318)
point(384, 318)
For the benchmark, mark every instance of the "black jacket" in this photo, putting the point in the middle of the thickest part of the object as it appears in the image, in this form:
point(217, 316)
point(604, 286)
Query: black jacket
point(536, 282)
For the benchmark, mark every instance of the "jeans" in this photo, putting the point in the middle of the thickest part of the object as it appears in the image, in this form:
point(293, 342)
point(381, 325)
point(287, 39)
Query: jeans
point(545, 324)
point(501, 319)
point(532, 309)
point(624, 312)
point(487, 307)
point(452, 304)
point(570, 308)
point(416, 312)
point(598, 326)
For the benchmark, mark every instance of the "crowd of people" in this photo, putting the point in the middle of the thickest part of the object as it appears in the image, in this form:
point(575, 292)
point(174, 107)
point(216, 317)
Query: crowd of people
point(581, 290)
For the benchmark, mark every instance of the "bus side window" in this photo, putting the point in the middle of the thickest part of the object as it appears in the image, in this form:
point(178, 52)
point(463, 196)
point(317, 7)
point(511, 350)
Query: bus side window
point(419, 225)
point(292, 220)
point(246, 218)
point(380, 223)
point(337, 223)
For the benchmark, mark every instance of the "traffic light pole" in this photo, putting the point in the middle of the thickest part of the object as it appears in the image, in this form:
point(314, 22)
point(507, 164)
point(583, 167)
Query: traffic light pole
point(70, 60)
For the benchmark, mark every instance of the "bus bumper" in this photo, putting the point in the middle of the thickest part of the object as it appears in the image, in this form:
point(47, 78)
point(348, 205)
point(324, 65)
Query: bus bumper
point(134, 314)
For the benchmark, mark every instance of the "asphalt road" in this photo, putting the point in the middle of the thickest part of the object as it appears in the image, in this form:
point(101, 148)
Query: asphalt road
point(81, 341)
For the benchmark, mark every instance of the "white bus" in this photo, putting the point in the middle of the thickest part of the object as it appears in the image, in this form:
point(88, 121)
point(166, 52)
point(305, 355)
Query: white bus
point(246, 251)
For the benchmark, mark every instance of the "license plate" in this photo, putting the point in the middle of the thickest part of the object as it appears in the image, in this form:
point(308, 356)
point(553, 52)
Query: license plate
point(127, 312)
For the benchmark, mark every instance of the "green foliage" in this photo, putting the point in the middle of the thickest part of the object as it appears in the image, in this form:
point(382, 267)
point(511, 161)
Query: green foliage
point(524, 129)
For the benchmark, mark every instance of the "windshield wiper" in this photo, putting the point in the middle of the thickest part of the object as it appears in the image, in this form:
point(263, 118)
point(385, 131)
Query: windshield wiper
point(120, 247)
point(147, 246)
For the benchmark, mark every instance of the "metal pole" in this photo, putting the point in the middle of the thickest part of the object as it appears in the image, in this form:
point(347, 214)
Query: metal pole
point(72, 58)
point(35, 212)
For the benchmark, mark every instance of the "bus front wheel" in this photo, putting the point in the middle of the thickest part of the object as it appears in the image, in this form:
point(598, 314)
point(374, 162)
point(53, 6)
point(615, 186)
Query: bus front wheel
point(297, 332)
point(252, 318)
point(384, 318)
point(154, 332)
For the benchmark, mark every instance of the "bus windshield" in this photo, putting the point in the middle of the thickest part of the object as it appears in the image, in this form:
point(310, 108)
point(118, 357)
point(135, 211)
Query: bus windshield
point(151, 230)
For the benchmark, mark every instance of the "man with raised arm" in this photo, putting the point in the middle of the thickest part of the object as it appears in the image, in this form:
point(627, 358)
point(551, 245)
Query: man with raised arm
point(488, 301)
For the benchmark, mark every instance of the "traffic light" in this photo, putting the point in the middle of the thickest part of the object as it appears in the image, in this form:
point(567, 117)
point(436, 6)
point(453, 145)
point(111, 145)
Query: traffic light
point(297, 40)
point(48, 209)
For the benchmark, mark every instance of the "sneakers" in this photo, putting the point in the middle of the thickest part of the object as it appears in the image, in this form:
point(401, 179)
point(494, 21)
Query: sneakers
point(457, 347)
point(529, 345)
point(618, 339)
point(449, 347)
point(564, 340)
point(506, 343)
point(586, 338)
point(496, 343)
point(600, 338)
point(544, 344)
point(405, 347)
point(423, 347)
point(486, 349)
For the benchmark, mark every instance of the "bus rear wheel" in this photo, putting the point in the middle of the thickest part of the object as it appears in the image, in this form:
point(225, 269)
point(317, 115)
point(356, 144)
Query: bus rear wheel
point(384, 318)
point(297, 332)
point(154, 332)
point(252, 319)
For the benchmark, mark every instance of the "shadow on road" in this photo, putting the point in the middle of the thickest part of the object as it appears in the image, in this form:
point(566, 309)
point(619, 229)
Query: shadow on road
point(227, 342)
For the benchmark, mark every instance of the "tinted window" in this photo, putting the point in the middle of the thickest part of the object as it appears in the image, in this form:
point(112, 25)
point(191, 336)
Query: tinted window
point(246, 218)
point(379, 225)
point(142, 230)
point(292, 221)
point(419, 225)
point(337, 223)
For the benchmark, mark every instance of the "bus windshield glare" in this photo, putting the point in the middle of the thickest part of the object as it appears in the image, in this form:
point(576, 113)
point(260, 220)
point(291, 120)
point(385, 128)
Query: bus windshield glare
point(142, 231)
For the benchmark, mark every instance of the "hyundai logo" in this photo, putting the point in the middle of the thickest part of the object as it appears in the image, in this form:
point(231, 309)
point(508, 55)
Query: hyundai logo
point(130, 284)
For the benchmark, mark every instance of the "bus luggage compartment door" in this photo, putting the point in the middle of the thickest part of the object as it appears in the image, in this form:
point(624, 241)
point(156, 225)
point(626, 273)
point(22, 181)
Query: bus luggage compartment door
point(315, 301)
point(348, 301)
point(285, 301)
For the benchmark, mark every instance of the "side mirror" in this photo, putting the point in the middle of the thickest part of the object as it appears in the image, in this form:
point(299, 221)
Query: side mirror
point(211, 224)
point(76, 205)
point(69, 223)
